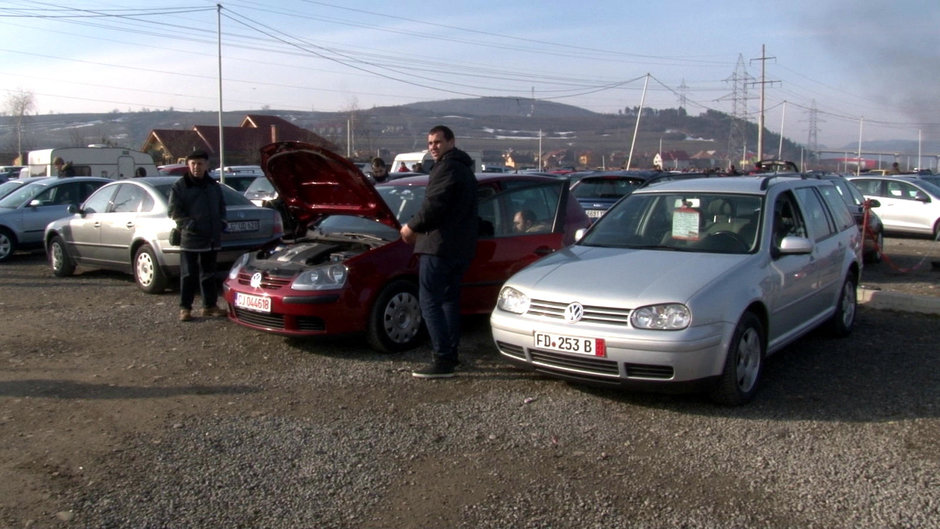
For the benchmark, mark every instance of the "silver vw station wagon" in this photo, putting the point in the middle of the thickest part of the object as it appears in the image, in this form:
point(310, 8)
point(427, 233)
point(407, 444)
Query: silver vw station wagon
point(687, 284)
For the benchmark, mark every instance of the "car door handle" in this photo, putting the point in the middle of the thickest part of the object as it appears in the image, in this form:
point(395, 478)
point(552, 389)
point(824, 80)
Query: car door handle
point(130, 224)
point(97, 224)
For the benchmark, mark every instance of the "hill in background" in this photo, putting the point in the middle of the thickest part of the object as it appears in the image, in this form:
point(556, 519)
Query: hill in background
point(494, 126)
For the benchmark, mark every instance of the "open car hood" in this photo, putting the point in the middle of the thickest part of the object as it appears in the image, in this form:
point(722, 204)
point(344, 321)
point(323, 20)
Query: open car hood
point(314, 182)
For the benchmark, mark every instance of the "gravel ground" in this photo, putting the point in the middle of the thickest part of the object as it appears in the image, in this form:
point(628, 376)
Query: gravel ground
point(115, 415)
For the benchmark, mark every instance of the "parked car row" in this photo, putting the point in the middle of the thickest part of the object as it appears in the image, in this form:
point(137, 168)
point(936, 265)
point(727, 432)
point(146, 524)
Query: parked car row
point(344, 267)
point(124, 226)
point(674, 281)
point(27, 209)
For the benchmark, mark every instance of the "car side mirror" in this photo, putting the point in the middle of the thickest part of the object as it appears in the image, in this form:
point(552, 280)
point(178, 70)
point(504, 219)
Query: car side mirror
point(35, 203)
point(73, 209)
point(579, 233)
point(872, 203)
point(793, 245)
point(922, 197)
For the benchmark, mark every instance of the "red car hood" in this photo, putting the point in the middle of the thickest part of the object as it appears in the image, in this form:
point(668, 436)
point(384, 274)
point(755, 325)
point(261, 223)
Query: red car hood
point(314, 182)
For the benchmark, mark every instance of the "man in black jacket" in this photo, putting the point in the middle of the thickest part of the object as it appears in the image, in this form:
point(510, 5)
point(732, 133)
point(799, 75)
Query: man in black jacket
point(197, 207)
point(444, 232)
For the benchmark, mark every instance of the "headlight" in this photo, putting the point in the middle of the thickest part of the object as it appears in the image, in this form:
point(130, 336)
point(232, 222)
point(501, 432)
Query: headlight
point(237, 265)
point(666, 317)
point(321, 278)
point(512, 300)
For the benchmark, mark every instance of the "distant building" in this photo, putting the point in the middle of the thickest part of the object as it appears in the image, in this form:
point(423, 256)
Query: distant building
point(242, 143)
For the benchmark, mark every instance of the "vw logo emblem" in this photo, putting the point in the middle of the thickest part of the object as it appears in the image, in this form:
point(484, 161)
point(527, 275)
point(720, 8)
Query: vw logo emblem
point(574, 312)
point(256, 280)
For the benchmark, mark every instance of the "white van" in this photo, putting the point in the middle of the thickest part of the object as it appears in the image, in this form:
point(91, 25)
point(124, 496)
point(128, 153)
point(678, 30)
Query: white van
point(109, 162)
point(409, 159)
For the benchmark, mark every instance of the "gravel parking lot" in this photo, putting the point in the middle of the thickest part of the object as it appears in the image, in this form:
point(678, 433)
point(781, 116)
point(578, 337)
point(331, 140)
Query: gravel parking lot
point(115, 415)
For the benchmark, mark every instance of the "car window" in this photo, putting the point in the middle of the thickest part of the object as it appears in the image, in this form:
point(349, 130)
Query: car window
point(903, 190)
point(838, 206)
point(234, 198)
point(868, 187)
point(53, 195)
point(814, 212)
point(98, 202)
point(536, 203)
point(787, 219)
point(128, 199)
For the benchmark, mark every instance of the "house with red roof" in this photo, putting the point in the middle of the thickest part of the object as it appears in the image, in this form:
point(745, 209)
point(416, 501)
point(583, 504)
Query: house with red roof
point(242, 143)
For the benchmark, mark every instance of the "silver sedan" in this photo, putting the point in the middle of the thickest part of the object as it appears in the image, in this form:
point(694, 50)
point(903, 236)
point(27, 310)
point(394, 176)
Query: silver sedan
point(124, 226)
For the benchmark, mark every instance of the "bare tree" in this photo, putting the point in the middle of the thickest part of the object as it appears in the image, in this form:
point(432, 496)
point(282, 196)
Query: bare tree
point(18, 105)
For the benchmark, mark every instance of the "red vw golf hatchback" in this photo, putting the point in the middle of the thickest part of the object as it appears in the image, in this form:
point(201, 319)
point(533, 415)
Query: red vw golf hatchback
point(345, 269)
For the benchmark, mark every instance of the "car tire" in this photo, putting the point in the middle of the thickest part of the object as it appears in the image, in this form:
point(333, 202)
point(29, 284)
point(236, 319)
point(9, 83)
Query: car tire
point(743, 364)
point(843, 319)
point(7, 244)
point(395, 322)
point(148, 274)
point(59, 259)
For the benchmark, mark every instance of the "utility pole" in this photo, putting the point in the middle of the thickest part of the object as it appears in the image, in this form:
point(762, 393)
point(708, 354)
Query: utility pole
point(763, 82)
point(737, 137)
point(221, 130)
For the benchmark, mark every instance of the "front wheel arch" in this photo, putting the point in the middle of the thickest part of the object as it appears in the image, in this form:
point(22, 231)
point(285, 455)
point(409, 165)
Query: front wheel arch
point(395, 323)
point(59, 259)
point(744, 362)
point(7, 243)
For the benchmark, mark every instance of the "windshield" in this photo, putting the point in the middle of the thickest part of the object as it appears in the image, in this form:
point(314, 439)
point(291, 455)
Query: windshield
point(22, 195)
point(260, 185)
point(403, 201)
point(932, 188)
point(605, 187)
point(8, 187)
point(691, 222)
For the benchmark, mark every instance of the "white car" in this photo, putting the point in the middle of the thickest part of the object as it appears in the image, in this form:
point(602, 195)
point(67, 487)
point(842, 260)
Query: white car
point(688, 283)
point(907, 203)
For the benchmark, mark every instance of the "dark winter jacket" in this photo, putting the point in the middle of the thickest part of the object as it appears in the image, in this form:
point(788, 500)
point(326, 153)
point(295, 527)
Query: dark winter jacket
point(197, 206)
point(447, 223)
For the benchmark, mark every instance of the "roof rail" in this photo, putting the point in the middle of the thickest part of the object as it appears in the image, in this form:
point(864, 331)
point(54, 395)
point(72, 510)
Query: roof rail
point(765, 183)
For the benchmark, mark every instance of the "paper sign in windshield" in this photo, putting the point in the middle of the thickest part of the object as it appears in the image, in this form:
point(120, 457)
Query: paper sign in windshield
point(685, 223)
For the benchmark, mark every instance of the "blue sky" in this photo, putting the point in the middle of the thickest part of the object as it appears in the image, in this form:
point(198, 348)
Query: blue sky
point(868, 68)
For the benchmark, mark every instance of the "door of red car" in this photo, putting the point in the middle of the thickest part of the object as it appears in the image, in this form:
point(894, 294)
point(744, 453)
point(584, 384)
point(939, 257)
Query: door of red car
point(503, 248)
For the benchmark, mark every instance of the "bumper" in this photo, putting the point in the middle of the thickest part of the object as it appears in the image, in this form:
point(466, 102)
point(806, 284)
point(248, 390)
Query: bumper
point(320, 314)
point(634, 358)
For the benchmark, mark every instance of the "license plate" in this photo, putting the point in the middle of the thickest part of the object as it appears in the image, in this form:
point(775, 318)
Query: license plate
point(255, 303)
point(238, 226)
point(570, 344)
point(594, 213)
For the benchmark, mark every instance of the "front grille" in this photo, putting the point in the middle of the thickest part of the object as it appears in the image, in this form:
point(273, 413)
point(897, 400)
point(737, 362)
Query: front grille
point(648, 371)
point(515, 351)
point(309, 323)
point(260, 319)
point(267, 281)
point(279, 321)
point(594, 366)
point(592, 314)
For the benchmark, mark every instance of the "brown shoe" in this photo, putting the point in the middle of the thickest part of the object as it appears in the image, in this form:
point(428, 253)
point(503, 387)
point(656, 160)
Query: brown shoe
point(213, 312)
point(186, 315)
